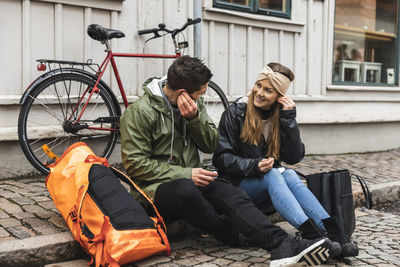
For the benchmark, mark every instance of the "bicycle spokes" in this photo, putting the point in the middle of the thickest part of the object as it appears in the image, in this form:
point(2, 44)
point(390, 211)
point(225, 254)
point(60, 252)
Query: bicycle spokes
point(65, 110)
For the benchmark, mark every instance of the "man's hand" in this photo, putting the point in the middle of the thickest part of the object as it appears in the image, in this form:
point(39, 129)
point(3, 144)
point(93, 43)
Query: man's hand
point(286, 102)
point(202, 177)
point(266, 164)
point(187, 106)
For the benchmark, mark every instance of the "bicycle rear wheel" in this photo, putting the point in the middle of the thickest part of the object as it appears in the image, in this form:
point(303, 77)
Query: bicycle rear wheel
point(215, 102)
point(51, 116)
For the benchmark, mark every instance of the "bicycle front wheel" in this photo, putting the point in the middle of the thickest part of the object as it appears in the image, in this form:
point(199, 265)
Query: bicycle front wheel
point(65, 109)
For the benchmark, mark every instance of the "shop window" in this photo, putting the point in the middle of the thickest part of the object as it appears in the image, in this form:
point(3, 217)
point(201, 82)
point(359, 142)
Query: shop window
point(365, 42)
point(279, 8)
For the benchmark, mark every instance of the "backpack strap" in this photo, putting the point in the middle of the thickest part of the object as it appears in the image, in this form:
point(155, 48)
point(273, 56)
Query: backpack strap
point(100, 249)
point(162, 229)
point(92, 159)
point(75, 216)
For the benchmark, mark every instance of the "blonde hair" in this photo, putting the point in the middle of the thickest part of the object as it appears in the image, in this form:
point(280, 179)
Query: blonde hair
point(253, 127)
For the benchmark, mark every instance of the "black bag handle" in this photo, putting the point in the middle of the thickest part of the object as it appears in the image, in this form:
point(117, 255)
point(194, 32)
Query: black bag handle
point(301, 174)
point(365, 190)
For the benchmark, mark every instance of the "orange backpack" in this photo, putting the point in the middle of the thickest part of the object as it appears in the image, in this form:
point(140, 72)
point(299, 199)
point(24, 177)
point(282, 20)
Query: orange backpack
point(109, 224)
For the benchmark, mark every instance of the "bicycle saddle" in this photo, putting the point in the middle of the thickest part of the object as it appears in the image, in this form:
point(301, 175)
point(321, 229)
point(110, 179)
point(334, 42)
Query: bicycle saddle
point(100, 33)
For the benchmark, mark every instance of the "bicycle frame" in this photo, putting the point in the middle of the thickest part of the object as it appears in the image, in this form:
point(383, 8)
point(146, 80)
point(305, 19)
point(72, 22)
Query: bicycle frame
point(110, 58)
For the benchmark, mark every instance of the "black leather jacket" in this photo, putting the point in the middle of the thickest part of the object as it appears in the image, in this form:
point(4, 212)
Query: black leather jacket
point(236, 160)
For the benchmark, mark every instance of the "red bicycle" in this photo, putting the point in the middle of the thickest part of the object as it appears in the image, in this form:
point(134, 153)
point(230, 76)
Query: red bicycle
point(72, 103)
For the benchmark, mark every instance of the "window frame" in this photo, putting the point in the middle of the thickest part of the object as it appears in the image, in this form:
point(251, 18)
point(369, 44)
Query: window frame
point(369, 85)
point(254, 8)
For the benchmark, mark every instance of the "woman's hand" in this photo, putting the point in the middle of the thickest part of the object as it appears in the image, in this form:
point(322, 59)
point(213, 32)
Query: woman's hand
point(266, 164)
point(202, 177)
point(286, 102)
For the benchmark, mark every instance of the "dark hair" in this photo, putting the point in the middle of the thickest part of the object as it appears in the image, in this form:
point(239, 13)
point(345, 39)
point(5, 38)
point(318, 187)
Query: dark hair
point(188, 73)
point(276, 67)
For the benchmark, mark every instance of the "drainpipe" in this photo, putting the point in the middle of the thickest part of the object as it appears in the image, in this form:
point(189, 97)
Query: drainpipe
point(197, 9)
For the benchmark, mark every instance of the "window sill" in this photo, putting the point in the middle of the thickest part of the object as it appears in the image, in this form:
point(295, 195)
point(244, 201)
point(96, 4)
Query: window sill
point(115, 5)
point(363, 88)
point(246, 19)
point(355, 99)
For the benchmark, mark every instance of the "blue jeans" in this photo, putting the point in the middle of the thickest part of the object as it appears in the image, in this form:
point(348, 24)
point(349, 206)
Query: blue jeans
point(290, 197)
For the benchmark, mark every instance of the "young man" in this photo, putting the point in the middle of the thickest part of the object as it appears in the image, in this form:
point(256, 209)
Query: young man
point(160, 136)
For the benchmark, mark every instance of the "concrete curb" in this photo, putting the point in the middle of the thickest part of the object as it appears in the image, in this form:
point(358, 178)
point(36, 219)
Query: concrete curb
point(37, 251)
point(379, 193)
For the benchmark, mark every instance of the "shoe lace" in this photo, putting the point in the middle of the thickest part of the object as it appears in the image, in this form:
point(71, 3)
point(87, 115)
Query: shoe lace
point(298, 235)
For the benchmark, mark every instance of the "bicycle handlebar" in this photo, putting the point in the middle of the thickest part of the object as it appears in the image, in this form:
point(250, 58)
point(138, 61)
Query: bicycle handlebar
point(154, 30)
point(174, 32)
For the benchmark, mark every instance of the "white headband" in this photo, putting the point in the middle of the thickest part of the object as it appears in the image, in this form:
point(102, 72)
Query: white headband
point(279, 81)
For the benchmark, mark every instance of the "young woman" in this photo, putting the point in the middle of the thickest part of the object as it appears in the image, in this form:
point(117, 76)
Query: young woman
point(254, 138)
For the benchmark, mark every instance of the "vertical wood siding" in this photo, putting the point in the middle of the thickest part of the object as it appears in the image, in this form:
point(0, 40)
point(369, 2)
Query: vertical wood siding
point(36, 29)
point(236, 52)
point(11, 47)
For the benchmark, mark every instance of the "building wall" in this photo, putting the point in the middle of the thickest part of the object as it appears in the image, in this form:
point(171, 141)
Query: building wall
point(333, 119)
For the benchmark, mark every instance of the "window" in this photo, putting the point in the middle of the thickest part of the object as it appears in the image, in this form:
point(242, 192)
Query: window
point(279, 8)
point(365, 43)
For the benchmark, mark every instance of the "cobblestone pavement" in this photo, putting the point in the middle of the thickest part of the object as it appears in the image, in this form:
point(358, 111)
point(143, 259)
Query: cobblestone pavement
point(375, 168)
point(26, 210)
point(377, 235)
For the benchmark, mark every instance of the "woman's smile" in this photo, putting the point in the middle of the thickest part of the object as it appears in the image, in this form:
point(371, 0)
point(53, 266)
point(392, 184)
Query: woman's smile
point(264, 94)
point(259, 99)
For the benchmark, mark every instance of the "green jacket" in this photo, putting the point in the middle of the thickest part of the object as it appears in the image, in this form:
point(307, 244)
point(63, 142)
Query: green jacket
point(146, 132)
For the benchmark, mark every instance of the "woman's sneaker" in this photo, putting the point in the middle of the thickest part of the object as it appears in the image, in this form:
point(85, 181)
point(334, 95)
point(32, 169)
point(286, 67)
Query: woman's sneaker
point(294, 250)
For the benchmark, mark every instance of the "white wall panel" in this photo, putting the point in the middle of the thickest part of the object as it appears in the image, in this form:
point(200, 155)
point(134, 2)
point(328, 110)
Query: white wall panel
point(204, 41)
point(11, 47)
point(315, 48)
point(73, 32)
point(273, 46)
point(101, 17)
point(42, 34)
point(128, 24)
point(301, 64)
point(287, 53)
point(239, 62)
point(220, 66)
point(256, 55)
point(151, 14)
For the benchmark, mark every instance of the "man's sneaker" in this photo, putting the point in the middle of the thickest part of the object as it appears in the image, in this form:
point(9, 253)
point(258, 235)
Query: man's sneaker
point(301, 251)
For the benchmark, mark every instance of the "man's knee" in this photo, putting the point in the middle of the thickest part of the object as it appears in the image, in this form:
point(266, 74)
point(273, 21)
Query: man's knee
point(226, 193)
point(182, 189)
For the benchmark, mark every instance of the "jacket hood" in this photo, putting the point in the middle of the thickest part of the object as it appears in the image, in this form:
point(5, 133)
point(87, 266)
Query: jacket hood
point(152, 89)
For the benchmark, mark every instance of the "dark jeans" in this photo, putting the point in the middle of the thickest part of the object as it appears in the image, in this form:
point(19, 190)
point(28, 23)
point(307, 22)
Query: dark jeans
point(201, 207)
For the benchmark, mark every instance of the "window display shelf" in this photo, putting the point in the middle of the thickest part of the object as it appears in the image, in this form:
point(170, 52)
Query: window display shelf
point(362, 33)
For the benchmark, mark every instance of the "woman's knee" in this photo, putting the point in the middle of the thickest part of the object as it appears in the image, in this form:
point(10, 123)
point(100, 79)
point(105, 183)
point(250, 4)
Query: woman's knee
point(292, 179)
point(273, 175)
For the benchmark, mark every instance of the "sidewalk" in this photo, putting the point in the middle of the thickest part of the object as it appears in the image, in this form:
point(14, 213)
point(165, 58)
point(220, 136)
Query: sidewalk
point(33, 233)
